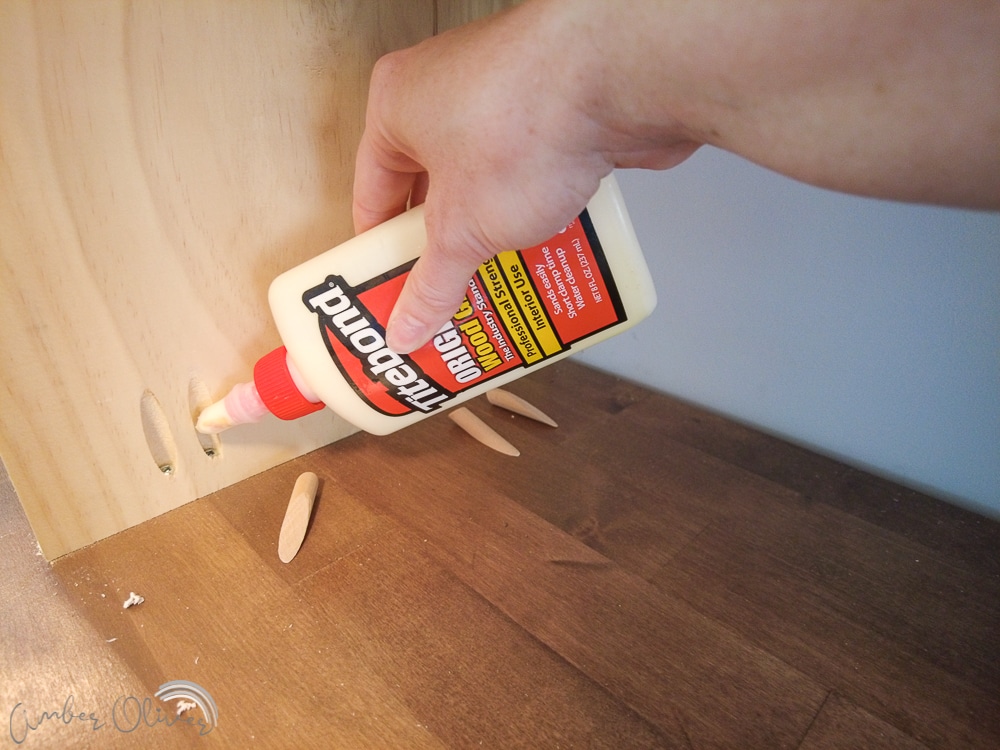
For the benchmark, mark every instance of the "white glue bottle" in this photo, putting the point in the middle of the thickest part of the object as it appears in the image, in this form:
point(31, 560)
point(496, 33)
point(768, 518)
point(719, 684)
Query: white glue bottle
point(522, 310)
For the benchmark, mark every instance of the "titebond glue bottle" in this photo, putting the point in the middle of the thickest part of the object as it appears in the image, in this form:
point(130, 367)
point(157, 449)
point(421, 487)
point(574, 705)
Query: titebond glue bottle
point(522, 310)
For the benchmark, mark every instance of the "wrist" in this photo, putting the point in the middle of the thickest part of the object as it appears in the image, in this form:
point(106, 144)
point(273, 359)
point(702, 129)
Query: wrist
point(611, 58)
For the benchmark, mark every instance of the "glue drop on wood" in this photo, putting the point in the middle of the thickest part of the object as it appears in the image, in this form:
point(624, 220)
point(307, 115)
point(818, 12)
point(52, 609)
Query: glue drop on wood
point(522, 310)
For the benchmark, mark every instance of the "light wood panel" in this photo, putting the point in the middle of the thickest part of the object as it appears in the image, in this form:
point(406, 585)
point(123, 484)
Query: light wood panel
point(451, 13)
point(160, 163)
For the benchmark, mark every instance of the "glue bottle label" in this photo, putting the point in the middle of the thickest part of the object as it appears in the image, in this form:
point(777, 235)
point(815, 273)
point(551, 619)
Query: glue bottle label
point(521, 308)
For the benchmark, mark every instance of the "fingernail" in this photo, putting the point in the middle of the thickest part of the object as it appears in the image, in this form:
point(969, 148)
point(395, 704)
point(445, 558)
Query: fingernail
point(404, 334)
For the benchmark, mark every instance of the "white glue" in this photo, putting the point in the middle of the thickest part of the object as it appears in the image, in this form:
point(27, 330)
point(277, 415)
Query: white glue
point(522, 310)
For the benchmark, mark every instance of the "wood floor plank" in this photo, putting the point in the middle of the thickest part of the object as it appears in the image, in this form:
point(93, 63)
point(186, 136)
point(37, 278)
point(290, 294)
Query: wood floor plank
point(601, 485)
point(655, 653)
point(339, 525)
point(427, 634)
point(833, 638)
point(891, 585)
point(867, 607)
point(966, 537)
point(467, 673)
point(841, 725)
point(214, 613)
point(49, 651)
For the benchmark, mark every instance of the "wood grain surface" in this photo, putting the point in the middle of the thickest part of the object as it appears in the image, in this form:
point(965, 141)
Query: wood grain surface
point(160, 163)
point(451, 13)
point(646, 575)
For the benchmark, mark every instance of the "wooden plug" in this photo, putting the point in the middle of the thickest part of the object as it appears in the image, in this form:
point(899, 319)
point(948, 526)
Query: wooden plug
point(296, 521)
point(510, 402)
point(482, 431)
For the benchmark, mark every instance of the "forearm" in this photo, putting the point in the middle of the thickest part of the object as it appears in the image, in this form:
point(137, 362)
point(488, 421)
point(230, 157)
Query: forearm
point(898, 99)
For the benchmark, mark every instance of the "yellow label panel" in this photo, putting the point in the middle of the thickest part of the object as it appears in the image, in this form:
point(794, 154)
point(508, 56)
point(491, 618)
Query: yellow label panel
point(531, 306)
point(510, 312)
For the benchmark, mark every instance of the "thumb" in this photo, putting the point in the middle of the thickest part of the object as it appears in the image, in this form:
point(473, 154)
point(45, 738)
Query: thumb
point(431, 295)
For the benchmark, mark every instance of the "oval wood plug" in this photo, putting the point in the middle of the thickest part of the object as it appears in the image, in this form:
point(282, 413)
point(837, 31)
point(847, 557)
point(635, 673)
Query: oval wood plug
point(482, 431)
point(510, 402)
point(296, 521)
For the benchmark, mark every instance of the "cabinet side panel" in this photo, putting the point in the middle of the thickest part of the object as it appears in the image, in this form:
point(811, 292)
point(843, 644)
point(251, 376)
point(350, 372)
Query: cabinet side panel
point(160, 163)
point(452, 13)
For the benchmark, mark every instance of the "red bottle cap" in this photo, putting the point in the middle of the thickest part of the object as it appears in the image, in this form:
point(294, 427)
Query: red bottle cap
point(277, 389)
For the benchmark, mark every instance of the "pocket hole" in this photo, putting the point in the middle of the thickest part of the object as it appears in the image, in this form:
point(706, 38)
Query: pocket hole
point(198, 399)
point(158, 436)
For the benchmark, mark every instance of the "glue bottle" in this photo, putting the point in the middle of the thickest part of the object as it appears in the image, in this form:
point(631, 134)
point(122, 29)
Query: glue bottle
point(522, 310)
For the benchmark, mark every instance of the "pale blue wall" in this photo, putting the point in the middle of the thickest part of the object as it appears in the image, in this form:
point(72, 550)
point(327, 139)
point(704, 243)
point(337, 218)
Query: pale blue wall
point(866, 329)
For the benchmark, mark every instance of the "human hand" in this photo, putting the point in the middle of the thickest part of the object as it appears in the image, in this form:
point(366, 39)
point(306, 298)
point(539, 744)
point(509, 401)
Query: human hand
point(494, 128)
point(472, 124)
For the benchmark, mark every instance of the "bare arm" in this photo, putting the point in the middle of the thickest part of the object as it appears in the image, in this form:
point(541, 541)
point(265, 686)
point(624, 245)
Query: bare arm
point(507, 125)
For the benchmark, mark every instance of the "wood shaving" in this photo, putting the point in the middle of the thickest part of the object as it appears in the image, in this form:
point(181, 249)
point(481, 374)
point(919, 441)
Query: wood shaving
point(133, 600)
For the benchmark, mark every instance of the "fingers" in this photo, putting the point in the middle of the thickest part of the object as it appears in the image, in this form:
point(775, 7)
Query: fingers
point(432, 294)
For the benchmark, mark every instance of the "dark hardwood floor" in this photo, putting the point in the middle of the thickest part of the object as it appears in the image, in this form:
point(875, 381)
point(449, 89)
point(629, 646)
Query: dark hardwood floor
point(646, 575)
